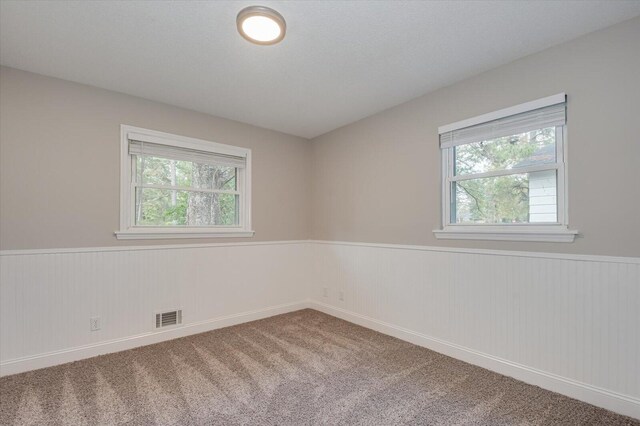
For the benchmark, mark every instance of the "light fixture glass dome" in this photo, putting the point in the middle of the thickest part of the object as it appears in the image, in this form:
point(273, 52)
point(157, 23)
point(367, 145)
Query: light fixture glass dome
point(261, 25)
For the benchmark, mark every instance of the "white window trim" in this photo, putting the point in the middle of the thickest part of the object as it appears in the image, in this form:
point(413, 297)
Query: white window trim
point(130, 232)
point(559, 232)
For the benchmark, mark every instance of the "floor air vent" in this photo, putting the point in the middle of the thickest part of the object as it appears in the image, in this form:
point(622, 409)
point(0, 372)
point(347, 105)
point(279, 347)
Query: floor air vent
point(165, 319)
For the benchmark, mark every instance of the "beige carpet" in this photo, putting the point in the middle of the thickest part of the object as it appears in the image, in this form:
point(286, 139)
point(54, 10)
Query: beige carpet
point(300, 368)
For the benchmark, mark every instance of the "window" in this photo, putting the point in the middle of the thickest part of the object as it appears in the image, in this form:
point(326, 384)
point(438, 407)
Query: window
point(504, 174)
point(178, 187)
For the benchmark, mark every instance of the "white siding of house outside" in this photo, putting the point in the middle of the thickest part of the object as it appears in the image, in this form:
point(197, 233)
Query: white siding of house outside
point(542, 197)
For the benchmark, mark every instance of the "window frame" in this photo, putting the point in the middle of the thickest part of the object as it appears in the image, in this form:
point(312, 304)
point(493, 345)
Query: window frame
point(128, 229)
point(541, 232)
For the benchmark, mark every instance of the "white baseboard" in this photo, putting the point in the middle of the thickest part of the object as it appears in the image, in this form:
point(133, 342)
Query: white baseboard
point(618, 403)
point(49, 359)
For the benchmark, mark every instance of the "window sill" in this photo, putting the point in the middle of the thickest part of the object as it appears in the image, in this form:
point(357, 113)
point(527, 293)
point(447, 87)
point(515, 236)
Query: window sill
point(553, 235)
point(161, 234)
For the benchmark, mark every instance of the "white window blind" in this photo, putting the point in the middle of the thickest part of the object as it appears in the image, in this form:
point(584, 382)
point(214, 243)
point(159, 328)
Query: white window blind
point(549, 116)
point(185, 154)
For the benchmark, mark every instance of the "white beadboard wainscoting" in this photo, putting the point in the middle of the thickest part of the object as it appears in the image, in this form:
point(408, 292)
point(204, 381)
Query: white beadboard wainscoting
point(567, 323)
point(47, 297)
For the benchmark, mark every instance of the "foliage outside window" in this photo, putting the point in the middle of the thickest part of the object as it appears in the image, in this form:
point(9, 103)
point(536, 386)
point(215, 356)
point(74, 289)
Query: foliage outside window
point(177, 187)
point(184, 193)
point(504, 174)
point(481, 197)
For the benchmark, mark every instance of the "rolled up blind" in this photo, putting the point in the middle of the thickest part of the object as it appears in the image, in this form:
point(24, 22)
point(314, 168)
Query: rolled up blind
point(184, 154)
point(548, 116)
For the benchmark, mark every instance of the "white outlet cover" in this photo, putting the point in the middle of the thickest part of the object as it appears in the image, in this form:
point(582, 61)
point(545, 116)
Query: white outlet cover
point(95, 323)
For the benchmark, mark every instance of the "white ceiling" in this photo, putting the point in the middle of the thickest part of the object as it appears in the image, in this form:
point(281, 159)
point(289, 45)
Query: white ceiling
point(340, 61)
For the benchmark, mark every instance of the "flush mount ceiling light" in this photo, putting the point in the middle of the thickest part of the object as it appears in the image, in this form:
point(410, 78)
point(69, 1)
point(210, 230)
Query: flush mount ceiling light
point(261, 25)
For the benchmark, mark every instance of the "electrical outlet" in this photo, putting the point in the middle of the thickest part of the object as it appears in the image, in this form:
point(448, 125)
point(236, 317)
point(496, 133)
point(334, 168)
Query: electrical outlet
point(341, 295)
point(95, 323)
point(325, 291)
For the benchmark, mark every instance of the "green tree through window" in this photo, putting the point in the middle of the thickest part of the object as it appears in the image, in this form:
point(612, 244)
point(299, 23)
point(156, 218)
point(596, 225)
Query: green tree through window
point(498, 199)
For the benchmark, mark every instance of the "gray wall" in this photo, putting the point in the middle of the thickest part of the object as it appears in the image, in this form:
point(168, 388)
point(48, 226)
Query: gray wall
point(60, 162)
point(378, 180)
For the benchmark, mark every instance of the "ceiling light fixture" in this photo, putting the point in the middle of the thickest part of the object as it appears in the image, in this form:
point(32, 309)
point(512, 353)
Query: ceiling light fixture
point(261, 25)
